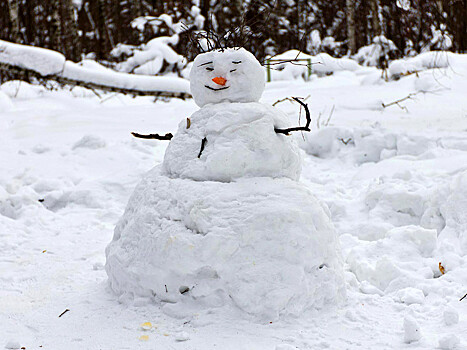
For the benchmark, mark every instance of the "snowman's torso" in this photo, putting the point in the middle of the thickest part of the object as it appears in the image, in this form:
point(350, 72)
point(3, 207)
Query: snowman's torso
point(240, 142)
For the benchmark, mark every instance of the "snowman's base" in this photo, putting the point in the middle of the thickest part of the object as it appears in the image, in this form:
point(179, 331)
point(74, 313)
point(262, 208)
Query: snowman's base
point(265, 245)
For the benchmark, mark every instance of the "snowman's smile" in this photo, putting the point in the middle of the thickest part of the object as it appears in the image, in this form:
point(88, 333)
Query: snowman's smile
point(214, 89)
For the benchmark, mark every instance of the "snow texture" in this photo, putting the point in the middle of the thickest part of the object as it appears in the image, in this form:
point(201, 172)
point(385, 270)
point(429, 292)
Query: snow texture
point(267, 244)
point(241, 142)
point(44, 61)
point(243, 74)
point(412, 331)
point(5, 102)
point(449, 342)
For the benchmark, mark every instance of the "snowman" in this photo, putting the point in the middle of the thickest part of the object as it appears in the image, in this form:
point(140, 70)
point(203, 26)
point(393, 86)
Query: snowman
point(224, 222)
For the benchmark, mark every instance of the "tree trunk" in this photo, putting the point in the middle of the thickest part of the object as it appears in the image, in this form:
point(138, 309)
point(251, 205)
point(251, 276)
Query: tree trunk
point(13, 7)
point(375, 17)
point(69, 31)
point(350, 14)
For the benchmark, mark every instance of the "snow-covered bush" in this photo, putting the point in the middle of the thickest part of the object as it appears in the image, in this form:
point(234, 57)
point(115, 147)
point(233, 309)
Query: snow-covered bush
point(376, 54)
point(285, 66)
point(157, 56)
point(441, 40)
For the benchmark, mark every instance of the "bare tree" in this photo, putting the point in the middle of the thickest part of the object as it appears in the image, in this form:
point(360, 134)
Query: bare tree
point(350, 14)
point(13, 7)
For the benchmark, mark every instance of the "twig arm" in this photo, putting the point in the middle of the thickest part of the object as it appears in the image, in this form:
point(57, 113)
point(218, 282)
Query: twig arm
point(167, 136)
point(298, 128)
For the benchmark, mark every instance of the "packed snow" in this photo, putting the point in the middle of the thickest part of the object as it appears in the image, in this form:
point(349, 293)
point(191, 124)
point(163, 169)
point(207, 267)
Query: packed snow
point(242, 73)
point(394, 179)
point(225, 208)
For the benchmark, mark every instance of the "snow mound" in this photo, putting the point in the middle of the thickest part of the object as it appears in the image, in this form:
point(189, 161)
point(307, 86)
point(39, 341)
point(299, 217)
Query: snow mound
point(21, 89)
point(403, 258)
point(454, 211)
point(44, 61)
point(424, 61)
point(109, 77)
point(89, 142)
point(373, 144)
point(322, 64)
point(5, 102)
point(267, 245)
point(241, 142)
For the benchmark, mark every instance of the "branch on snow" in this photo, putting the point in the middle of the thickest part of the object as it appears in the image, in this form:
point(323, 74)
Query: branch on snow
point(165, 137)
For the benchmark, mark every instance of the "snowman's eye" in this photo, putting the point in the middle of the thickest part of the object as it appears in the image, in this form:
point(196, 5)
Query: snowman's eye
point(209, 69)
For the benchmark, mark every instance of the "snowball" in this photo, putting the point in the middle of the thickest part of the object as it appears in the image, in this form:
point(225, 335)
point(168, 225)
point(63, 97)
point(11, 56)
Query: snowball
point(412, 331)
point(449, 342)
point(241, 142)
point(265, 244)
point(411, 296)
point(243, 74)
point(451, 316)
point(5, 103)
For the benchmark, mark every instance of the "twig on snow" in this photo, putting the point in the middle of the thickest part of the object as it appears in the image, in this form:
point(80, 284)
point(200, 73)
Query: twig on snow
point(165, 137)
point(463, 297)
point(345, 142)
point(64, 312)
point(408, 97)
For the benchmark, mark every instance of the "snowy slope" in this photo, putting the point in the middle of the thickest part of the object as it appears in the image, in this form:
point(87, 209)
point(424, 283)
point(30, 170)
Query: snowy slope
point(393, 178)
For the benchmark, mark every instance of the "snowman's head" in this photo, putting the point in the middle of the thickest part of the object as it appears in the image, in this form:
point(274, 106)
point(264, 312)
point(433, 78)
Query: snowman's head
point(226, 75)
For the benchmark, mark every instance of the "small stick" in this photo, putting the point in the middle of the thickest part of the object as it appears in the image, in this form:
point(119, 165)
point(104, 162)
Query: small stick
point(346, 142)
point(166, 288)
point(408, 97)
point(298, 128)
point(165, 137)
point(463, 297)
point(64, 312)
point(203, 143)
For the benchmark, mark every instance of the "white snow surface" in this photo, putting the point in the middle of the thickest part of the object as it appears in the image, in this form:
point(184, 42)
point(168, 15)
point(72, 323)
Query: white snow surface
point(399, 211)
point(5, 102)
point(243, 73)
point(266, 244)
point(241, 142)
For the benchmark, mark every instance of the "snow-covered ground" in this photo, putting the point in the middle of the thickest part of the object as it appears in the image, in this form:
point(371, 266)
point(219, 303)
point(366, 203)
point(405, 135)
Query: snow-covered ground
point(394, 178)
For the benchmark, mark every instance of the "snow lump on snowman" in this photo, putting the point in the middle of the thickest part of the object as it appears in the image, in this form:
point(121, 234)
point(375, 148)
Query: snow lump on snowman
point(224, 222)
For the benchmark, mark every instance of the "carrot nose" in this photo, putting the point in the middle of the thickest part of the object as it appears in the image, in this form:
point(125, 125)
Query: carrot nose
point(219, 80)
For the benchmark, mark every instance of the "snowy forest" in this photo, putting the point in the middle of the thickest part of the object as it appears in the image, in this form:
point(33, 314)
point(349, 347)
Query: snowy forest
point(234, 175)
point(109, 29)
